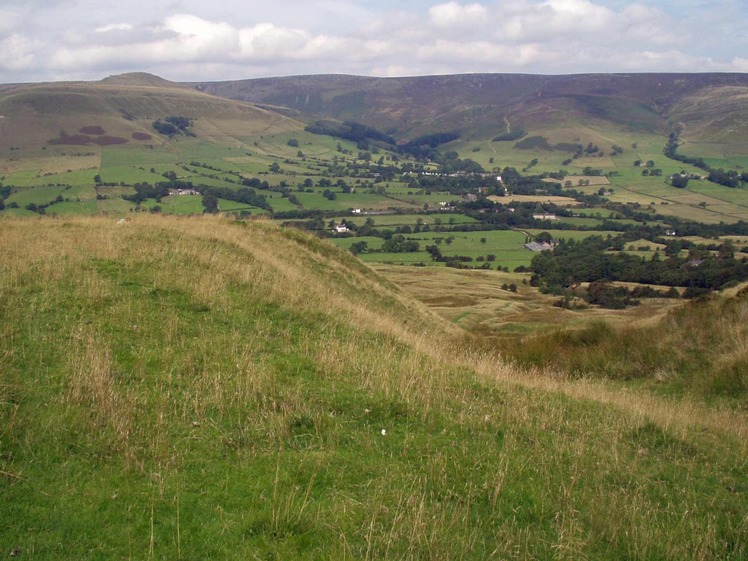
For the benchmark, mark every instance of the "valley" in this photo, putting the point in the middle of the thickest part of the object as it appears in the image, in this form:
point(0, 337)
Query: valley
point(336, 317)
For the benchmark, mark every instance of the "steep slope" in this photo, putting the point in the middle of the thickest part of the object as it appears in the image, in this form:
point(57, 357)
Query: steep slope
point(482, 104)
point(714, 116)
point(202, 389)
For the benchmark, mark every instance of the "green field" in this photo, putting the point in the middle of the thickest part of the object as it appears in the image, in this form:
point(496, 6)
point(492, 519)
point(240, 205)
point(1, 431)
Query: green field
point(505, 246)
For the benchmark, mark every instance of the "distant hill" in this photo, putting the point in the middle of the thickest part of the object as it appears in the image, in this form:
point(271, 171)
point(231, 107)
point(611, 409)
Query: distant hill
point(121, 110)
point(478, 105)
point(705, 108)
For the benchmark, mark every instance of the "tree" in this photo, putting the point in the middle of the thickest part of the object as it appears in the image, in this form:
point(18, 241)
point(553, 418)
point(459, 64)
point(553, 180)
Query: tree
point(210, 202)
point(359, 247)
point(293, 143)
point(679, 181)
point(435, 252)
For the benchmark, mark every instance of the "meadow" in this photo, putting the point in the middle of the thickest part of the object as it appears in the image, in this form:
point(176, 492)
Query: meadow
point(203, 388)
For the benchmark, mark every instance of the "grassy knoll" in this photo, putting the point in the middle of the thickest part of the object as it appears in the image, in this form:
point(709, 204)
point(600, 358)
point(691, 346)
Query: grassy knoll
point(698, 349)
point(200, 389)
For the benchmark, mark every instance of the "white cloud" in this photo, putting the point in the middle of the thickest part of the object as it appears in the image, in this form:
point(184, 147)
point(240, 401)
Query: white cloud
point(9, 21)
point(17, 53)
point(114, 27)
point(454, 15)
point(228, 40)
point(267, 41)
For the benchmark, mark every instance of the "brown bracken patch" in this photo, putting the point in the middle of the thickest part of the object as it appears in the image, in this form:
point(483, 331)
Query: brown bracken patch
point(141, 136)
point(109, 140)
point(75, 139)
point(93, 129)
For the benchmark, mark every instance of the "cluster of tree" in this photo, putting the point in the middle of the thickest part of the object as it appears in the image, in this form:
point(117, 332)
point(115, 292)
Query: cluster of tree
point(456, 261)
point(654, 172)
point(349, 130)
point(424, 147)
point(590, 260)
point(606, 295)
point(457, 185)
point(243, 195)
point(145, 191)
point(5, 192)
point(255, 183)
point(175, 124)
point(398, 244)
point(679, 180)
point(729, 178)
point(689, 228)
point(451, 163)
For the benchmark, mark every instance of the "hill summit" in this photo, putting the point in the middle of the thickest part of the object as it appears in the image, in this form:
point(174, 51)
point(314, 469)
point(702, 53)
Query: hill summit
point(138, 79)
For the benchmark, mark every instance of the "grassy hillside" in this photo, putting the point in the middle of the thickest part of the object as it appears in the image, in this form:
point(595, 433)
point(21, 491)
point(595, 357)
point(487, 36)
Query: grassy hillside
point(486, 105)
point(698, 349)
point(202, 389)
point(40, 115)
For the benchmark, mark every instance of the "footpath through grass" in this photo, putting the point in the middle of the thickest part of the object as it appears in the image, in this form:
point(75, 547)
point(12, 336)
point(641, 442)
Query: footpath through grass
point(199, 389)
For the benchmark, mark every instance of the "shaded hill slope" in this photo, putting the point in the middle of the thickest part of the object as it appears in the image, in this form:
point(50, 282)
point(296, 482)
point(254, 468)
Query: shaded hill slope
point(205, 389)
point(483, 104)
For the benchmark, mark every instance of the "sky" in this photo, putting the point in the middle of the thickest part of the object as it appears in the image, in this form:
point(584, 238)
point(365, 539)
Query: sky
point(199, 40)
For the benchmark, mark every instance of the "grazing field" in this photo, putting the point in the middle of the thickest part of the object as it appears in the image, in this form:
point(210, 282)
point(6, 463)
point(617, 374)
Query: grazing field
point(502, 248)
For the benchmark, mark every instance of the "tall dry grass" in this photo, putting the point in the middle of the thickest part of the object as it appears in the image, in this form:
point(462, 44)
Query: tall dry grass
point(252, 369)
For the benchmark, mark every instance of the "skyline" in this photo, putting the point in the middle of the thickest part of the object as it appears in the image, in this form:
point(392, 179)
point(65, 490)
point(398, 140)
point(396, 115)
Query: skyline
point(185, 40)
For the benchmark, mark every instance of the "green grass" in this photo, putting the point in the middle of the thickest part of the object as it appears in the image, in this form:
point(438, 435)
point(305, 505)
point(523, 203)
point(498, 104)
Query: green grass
point(22, 178)
point(175, 389)
point(696, 350)
point(37, 196)
point(178, 204)
point(76, 178)
point(87, 207)
point(232, 206)
point(506, 246)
